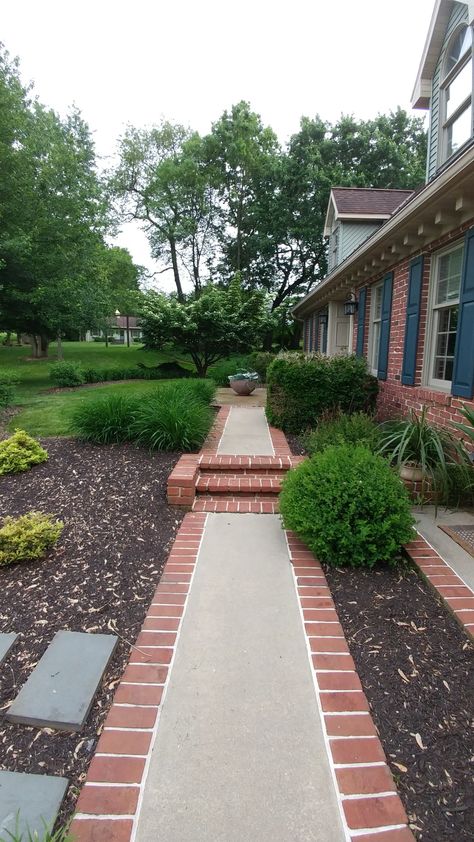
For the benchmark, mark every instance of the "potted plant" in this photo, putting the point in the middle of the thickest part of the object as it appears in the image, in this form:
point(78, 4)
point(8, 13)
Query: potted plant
point(244, 382)
point(423, 454)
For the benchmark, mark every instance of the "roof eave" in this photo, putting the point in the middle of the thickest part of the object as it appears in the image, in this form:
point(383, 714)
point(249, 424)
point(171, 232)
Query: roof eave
point(431, 51)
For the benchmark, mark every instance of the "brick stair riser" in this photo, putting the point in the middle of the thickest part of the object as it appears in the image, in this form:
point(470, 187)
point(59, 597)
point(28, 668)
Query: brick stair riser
point(232, 486)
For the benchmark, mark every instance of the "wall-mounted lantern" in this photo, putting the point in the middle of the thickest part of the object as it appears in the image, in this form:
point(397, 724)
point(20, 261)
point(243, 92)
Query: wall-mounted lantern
point(350, 306)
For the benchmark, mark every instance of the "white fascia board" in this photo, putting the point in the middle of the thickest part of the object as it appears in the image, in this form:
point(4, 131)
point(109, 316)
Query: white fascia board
point(330, 213)
point(431, 51)
point(363, 216)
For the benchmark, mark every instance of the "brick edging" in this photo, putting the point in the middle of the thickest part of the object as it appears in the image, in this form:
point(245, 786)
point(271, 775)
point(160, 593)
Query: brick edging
point(371, 809)
point(109, 803)
point(454, 592)
point(279, 442)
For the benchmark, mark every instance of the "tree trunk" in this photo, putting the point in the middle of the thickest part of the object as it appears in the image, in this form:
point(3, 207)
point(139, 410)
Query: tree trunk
point(44, 345)
point(8, 339)
point(59, 348)
point(18, 338)
point(39, 346)
point(174, 261)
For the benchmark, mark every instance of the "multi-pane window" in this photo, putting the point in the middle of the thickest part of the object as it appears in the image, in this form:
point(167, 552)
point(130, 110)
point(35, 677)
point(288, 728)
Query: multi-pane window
point(457, 87)
point(444, 315)
point(375, 325)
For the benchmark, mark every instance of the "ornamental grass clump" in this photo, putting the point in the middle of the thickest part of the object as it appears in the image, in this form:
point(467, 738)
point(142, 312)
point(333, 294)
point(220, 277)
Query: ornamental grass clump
point(172, 419)
point(106, 420)
point(19, 453)
point(27, 537)
point(348, 506)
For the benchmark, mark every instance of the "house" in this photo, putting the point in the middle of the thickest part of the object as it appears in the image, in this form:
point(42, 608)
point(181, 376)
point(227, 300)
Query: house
point(123, 330)
point(400, 287)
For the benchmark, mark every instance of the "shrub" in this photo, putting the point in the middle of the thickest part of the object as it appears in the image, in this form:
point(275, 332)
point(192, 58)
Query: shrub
point(201, 390)
point(8, 379)
point(301, 388)
point(104, 421)
point(348, 506)
point(27, 537)
point(66, 374)
point(259, 361)
point(338, 428)
point(19, 453)
point(172, 419)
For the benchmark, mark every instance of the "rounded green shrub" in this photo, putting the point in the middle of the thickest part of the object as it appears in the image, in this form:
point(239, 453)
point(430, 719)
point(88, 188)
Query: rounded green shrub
point(27, 537)
point(348, 506)
point(339, 428)
point(106, 420)
point(171, 419)
point(19, 453)
point(66, 374)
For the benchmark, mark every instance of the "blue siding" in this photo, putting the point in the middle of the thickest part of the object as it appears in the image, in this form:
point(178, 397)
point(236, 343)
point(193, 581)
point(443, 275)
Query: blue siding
point(459, 15)
point(353, 234)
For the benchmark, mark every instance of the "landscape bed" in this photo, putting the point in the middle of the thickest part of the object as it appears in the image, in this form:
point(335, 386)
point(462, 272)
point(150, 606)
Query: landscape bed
point(100, 577)
point(416, 668)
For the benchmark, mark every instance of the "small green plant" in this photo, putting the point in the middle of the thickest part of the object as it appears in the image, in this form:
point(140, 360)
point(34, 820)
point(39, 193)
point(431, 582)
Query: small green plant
point(339, 428)
point(19, 453)
point(45, 835)
point(66, 374)
point(467, 429)
point(27, 537)
point(172, 419)
point(348, 506)
point(414, 442)
point(106, 420)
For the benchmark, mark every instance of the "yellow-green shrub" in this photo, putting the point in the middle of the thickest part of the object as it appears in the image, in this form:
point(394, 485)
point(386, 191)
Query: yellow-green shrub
point(28, 536)
point(19, 453)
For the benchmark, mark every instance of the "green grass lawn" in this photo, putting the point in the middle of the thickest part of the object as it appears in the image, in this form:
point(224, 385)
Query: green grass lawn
point(34, 374)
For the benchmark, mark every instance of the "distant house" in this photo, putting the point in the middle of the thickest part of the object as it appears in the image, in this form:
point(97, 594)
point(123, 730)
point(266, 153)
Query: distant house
point(400, 286)
point(119, 327)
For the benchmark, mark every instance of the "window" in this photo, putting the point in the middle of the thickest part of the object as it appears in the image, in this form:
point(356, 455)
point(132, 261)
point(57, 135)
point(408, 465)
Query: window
point(376, 296)
point(444, 309)
point(457, 92)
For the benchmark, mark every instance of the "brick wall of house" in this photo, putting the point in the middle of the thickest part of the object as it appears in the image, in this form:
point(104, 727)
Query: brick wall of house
point(395, 399)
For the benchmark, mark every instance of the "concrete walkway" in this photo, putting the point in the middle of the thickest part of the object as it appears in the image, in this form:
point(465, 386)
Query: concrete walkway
point(240, 754)
point(246, 433)
point(428, 521)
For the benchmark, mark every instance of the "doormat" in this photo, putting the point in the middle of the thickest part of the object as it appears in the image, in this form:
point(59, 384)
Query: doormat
point(463, 535)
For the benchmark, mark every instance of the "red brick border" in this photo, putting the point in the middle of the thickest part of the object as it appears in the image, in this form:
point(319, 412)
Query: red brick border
point(457, 596)
point(107, 809)
point(211, 444)
point(371, 809)
point(279, 442)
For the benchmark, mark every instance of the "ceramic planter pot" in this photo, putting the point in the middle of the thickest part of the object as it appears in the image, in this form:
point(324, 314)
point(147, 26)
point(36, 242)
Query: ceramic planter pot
point(242, 387)
point(412, 473)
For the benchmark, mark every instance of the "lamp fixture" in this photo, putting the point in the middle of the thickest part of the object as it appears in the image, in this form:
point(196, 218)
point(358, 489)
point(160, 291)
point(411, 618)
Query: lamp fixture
point(350, 306)
point(323, 319)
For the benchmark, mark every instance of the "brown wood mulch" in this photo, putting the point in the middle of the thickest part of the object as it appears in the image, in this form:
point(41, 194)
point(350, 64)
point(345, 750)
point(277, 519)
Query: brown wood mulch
point(416, 667)
point(295, 443)
point(100, 577)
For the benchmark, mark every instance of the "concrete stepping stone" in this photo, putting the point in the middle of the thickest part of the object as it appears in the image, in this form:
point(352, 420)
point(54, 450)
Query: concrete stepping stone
point(6, 642)
point(61, 688)
point(28, 802)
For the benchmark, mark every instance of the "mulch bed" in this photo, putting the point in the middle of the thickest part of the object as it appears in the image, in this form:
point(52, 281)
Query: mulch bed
point(296, 445)
point(416, 667)
point(100, 577)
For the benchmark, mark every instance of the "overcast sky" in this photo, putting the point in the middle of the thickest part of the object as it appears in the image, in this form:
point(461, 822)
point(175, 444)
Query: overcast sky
point(188, 60)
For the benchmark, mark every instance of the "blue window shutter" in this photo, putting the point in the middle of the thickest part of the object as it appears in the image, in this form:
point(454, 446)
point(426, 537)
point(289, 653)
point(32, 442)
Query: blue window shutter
point(463, 375)
point(361, 322)
point(324, 342)
point(385, 326)
point(412, 321)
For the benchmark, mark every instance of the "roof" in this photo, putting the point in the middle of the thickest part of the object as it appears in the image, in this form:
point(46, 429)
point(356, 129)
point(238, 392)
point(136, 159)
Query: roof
point(368, 200)
point(362, 203)
point(121, 321)
point(440, 206)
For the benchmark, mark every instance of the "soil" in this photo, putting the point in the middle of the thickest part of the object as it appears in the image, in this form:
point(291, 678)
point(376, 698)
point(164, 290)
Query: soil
point(416, 666)
point(100, 577)
point(296, 445)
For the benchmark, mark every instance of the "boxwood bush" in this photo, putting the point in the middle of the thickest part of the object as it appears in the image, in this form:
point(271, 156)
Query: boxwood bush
point(348, 506)
point(19, 453)
point(27, 537)
point(339, 428)
point(301, 388)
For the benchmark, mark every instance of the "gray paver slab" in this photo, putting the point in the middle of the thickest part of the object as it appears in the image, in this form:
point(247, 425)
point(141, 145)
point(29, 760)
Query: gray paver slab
point(30, 800)
point(246, 433)
point(7, 640)
point(61, 688)
point(240, 753)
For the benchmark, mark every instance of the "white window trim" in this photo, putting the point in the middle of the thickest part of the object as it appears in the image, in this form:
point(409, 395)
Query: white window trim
point(429, 381)
point(371, 345)
point(446, 80)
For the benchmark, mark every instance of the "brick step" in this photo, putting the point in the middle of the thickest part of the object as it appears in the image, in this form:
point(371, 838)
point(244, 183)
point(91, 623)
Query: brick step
point(258, 504)
point(238, 485)
point(266, 465)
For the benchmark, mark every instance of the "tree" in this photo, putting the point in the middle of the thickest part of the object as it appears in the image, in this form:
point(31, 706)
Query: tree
point(162, 182)
point(210, 327)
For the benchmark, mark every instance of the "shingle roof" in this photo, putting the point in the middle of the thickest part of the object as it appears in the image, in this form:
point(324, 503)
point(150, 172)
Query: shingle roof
point(368, 200)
